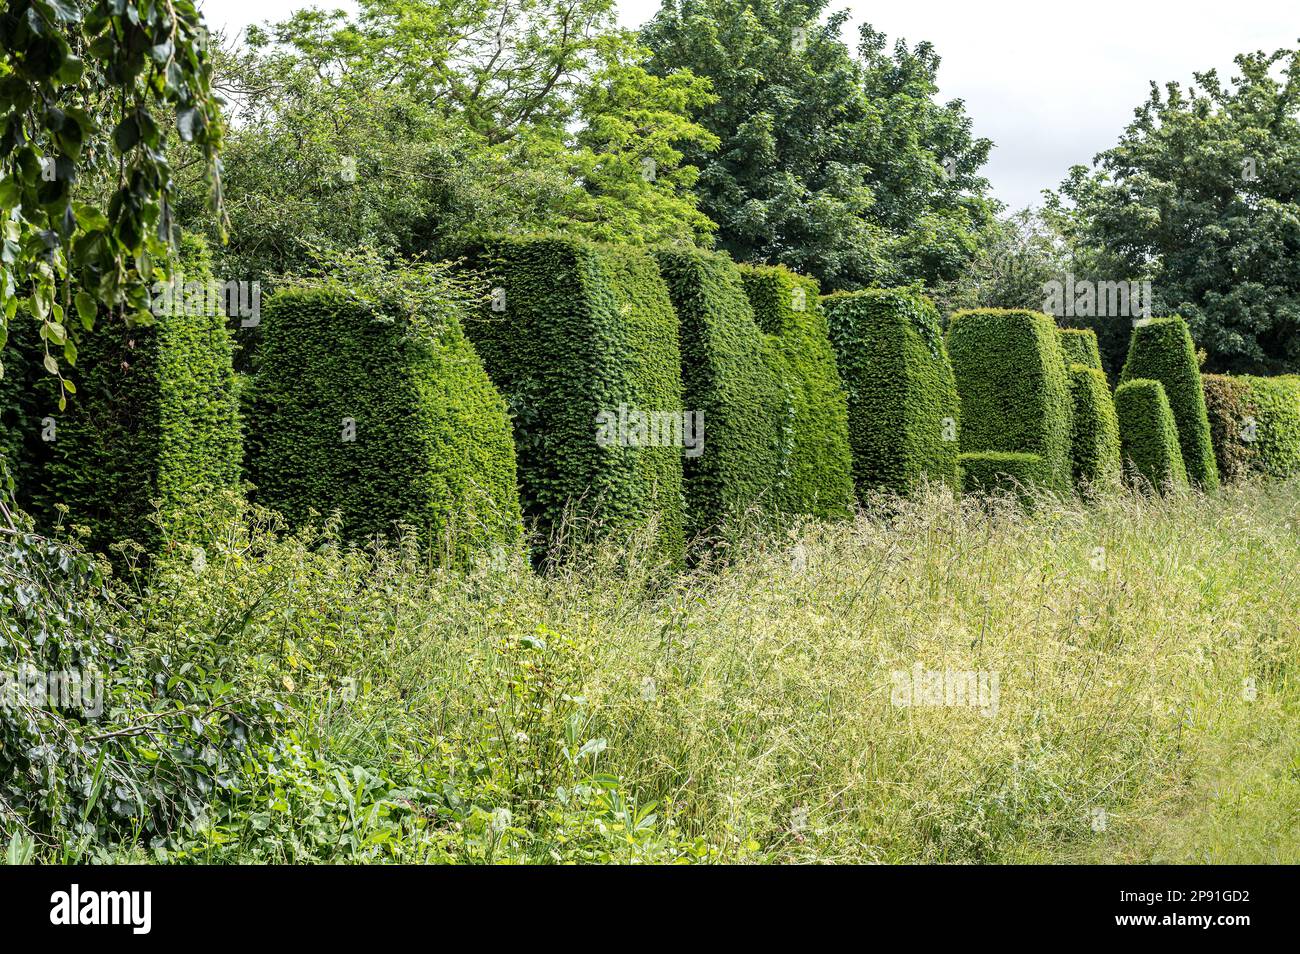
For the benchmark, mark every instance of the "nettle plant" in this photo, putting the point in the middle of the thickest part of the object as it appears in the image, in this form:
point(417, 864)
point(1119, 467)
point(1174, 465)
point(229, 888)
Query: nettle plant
point(89, 92)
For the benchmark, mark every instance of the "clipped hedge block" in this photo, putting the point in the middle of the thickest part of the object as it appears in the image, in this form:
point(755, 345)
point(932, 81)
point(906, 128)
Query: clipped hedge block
point(1274, 409)
point(355, 412)
point(1094, 435)
point(582, 340)
point(902, 397)
point(1149, 442)
point(994, 472)
point(1014, 392)
point(1079, 345)
point(728, 378)
point(1161, 350)
point(1229, 409)
point(155, 418)
point(816, 472)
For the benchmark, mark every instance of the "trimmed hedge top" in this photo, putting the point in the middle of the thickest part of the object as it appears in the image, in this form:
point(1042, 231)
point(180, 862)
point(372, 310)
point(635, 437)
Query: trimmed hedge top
point(1148, 435)
point(816, 473)
point(1080, 347)
point(993, 472)
point(902, 397)
point(1161, 350)
point(1013, 388)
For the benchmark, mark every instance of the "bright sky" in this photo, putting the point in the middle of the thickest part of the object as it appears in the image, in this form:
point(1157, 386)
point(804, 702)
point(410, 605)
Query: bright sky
point(1051, 84)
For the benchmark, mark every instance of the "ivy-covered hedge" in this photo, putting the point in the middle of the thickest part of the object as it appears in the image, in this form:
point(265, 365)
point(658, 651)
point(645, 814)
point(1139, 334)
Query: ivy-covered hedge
point(816, 472)
point(23, 404)
point(1080, 347)
point(1274, 442)
point(727, 376)
point(1149, 442)
point(1094, 440)
point(902, 397)
point(1161, 350)
point(1012, 383)
point(993, 472)
point(575, 334)
point(359, 412)
point(155, 417)
point(1229, 410)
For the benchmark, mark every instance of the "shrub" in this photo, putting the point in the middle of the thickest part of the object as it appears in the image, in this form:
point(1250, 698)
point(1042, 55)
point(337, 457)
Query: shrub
point(385, 416)
point(1013, 388)
point(727, 377)
point(1228, 408)
point(1094, 439)
point(1148, 435)
point(1079, 346)
point(993, 472)
point(155, 416)
point(585, 335)
point(902, 397)
point(816, 475)
point(1161, 350)
point(1274, 442)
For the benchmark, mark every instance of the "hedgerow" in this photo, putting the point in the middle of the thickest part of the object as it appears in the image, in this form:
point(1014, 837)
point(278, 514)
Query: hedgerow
point(991, 472)
point(1274, 440)
point(571, 331)
point(1080, 347)
point(1161, 350)
point(155, 416)
point(1229, 409)
point(727, 377)
point(1148, 435)
point(816, 474)
point(1012, 384)
point(385, 416)
point(1094, 438)
point(902, 398)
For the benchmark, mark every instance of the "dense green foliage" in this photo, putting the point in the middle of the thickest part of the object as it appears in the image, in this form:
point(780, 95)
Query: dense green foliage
point(1229, 410)
point(902, 398)
point(816, 472)
point(584, 330)
point(1149, 443)
point(1094, 434)
point(1012, 383)
point(1079, 345)
point(361, 409)
point(994, 472)
point(728, 377)
point(1161, 350)
point(156, 415)
point(1274, 441)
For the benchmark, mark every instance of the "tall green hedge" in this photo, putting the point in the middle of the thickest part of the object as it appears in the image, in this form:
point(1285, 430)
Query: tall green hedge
point(571, 333)
point(1094, 439)
point(1161, 350)
point(902, 397)
point(1080, 347)
point(1148, 435)
point(155, 417)
point(816, 474)
point(1274, 445)
point(993, 472)
point(1012, 383)
point(1229, 409)
point(357, 412)
point(726, 376)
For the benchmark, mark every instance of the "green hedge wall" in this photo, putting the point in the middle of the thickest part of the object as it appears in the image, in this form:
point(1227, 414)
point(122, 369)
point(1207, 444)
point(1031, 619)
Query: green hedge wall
point(1161, 350)
point(1228, 408)
point(1094, 439)
point(1274, 403)
point(430, 443)
point(992, 472)
point(1080, 347)
point(584, 330)
point(1149, 442)
point(726, 375)
point(816, 474)
point(155, 417)
point(902, 397)
point(1013, 387)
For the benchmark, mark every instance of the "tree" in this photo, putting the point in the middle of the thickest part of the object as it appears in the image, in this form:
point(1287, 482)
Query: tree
point(1201, 196)
point(88, 91)
point(845, 168)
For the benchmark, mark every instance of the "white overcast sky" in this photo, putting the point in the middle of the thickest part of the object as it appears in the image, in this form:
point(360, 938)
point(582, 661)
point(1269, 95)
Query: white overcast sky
point(1051, 83)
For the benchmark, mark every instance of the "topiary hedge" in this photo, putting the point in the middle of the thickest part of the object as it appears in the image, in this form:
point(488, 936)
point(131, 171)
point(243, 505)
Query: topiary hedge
point(727, 377)
point(1094, 435)
point(992, 472)
point(1161, 350)
point(581, 339)
point(1079, 345)
point(1229, 409)
point(357, 410)
point(1274, 441)
point(155, 416)
point(816, 472)
point(1012, 383)
point(1149, 442)
point(902, 397)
